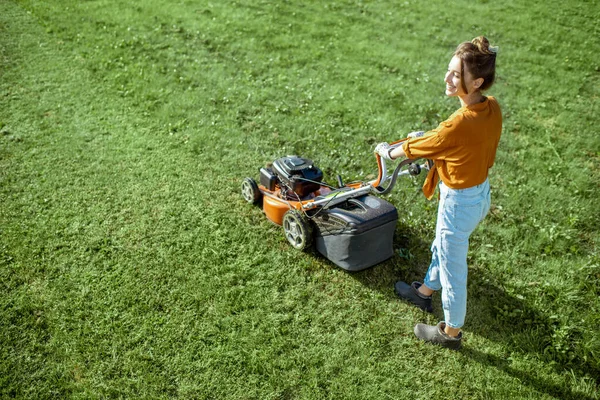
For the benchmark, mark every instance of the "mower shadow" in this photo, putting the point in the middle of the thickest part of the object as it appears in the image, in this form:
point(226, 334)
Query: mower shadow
point(493, 313)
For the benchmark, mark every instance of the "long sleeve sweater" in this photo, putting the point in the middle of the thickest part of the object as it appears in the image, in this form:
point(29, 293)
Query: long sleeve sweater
point(463, 147)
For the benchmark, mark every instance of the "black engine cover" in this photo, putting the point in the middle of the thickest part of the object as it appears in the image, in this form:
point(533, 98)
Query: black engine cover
point(298, 174)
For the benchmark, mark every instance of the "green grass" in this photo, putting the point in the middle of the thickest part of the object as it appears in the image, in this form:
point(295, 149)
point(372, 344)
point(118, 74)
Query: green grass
point(130, 267)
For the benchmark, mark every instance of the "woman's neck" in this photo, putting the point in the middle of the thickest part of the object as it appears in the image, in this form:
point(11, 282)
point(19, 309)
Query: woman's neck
point(472, 98)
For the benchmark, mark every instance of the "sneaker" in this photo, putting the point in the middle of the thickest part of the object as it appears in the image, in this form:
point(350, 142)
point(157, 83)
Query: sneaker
point(436, 335)
point(411, 293)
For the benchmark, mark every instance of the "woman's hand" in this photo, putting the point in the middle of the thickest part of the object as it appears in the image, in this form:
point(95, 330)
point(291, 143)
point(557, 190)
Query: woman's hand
point(415, 134)
point(384, 149)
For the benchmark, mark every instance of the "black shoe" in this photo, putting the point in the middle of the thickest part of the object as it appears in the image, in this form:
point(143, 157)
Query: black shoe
point(436, 335)
point(411, 293)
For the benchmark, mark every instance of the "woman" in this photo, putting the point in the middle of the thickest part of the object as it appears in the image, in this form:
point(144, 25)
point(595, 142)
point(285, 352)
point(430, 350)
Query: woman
point(463, 149)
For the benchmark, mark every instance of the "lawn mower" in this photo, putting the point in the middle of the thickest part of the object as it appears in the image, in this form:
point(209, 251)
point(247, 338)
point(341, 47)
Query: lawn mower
point(348, 223)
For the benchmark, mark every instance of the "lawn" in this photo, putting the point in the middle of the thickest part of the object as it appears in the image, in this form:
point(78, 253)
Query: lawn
point(131, 267)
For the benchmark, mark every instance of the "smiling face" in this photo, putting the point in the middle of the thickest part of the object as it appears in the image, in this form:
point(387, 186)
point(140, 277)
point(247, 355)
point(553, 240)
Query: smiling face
point(458, 83)
point(454, 84)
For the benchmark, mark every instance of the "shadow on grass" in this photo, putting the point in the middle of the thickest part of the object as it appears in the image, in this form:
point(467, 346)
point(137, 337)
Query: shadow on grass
point(540, 385)
point(509, 320)
point(493, 313)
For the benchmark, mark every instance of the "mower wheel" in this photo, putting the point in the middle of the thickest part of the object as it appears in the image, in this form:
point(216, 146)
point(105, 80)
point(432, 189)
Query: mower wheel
point(297, 229)
point(250, 191)
point(414, 169)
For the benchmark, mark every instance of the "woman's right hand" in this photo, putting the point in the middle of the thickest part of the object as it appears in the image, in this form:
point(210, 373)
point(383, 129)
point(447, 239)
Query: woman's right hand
point(415, 134)
point(383, 149)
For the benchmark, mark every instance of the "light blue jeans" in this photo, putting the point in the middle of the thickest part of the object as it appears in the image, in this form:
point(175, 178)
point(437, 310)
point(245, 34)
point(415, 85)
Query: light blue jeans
point(459, 213)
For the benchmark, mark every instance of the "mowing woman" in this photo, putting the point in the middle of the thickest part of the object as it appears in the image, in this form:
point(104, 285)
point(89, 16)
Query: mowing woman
point(463, 149)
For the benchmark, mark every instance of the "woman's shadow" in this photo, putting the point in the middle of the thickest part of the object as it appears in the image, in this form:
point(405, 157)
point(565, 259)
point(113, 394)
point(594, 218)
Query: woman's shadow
point(494, 314)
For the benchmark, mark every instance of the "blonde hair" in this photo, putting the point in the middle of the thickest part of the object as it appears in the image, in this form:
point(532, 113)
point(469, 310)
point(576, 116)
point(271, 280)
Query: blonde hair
point(479, 58)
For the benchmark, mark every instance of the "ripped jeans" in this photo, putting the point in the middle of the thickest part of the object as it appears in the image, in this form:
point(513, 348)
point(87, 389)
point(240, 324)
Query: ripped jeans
point(459, 213)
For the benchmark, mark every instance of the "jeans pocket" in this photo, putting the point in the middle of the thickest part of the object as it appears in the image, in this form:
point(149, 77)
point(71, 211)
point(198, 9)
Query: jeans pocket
point(487, 202)
point(466, 217)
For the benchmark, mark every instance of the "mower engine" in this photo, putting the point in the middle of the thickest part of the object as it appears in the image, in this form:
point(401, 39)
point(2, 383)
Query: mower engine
point(294, 173)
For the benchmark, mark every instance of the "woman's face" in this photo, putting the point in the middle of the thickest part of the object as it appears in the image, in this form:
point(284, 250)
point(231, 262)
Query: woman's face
point(454, 86)
point(454, 80)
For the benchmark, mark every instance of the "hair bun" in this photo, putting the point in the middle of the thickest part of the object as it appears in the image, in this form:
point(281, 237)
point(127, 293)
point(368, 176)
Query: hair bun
point(484, 45)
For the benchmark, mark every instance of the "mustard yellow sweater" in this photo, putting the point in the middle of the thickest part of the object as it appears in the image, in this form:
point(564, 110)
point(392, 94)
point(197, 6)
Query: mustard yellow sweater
point(463, 147)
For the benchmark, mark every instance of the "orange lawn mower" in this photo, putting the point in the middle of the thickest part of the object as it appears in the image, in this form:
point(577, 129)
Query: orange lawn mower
point(348, 223)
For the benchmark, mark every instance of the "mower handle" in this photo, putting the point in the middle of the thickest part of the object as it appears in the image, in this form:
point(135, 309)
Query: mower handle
point(382, 170)
point(381, 167)
point(373, 186)
point(397, 172)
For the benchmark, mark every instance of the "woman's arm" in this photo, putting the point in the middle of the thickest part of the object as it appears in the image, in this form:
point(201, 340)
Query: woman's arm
point(398, 152)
